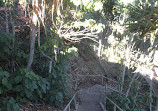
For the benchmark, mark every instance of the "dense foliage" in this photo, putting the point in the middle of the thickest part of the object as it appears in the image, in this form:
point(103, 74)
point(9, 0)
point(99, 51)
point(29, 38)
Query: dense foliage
point(21, 84)
point(127, 104)
point(117, 33)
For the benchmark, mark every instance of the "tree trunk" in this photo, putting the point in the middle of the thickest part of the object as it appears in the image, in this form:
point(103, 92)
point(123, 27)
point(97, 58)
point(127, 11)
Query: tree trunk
point(50, 66)
point(127, 61)
point(32, 45)
point(100, 43)
point(123, 78)
point(6, 17)
point(138, 87)
point(39, 35)
point(13, 32)
point(33, 26)
point(130, 84)
point(151, 99)
point(12, 24)
point(25, 8)
point(100, 47)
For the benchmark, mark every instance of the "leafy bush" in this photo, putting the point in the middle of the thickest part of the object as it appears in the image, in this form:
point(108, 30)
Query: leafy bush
point(29, 85)
point(26, 85)
point(13, 52)
point(59, 90)
point(6, 103)
point(5, 85)
point(23, 85)
point(5, 45)
point(127, 104)
point(9, 105)
point(20, 85)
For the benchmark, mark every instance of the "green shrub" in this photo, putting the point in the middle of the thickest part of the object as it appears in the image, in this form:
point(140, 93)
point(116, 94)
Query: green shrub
point(29, 85)
point(25, 85)
point(127, 104)
point(9, 105)
point(6, 41)
point(5, 85)
point(22, 85)
point(59, 90)
point(13, 52)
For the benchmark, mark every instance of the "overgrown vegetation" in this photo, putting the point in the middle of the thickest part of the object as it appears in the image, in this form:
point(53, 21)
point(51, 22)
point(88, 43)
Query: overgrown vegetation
point(118, 33)
point(127, 104)
point(18, 84)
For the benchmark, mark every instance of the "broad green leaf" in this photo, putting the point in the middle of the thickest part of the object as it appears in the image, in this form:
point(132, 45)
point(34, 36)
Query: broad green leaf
point(16, 107)
point(6, 74)
point(35, 86)
point(18, 79)
point(6, 83)
point(40, 83)
point(27, 84)
point(9, 86)
point(28, 93)
point(39, 93)
point(44, 88)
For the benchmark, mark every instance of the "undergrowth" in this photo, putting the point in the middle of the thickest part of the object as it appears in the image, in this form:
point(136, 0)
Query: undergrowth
point(20, 85)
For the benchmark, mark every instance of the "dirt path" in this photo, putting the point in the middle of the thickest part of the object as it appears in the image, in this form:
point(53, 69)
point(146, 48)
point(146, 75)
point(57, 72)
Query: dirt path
point(90, 98)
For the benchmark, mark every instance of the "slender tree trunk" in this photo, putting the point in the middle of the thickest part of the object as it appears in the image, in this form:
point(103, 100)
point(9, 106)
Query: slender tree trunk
point(100, 43)
point(50, 66)
point(127, 61)
point(32, 45)
point(28, 8)
point(151, 99)
point(25, 8)
point(52, 13)
point(33, 26)
point(130, 84)
point(6, 17)
point(39, 35)
point(99, 48)
point(123, 78)
point(12, 24)
point(138, 87)
point(50, 62)
point(13, 32)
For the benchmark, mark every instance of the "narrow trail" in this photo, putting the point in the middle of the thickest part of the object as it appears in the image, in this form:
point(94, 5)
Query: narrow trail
point(90, 98)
